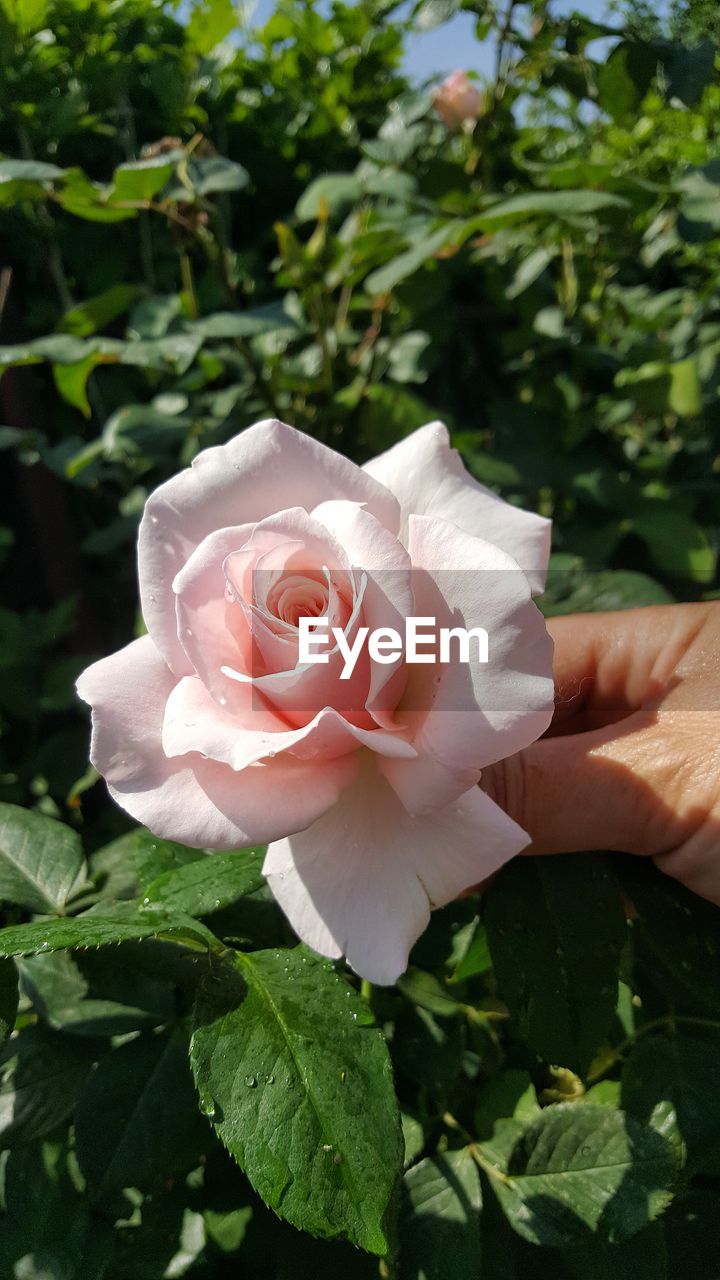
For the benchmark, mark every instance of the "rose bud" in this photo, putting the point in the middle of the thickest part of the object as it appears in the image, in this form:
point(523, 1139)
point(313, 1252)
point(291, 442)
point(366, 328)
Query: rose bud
point(457, 100)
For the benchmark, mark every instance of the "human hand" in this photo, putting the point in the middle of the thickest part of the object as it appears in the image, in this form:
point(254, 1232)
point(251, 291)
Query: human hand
point(632, 759)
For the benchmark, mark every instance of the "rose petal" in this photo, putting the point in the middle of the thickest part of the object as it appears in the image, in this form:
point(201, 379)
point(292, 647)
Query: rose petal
point(216, 633)
point(193, 800)
point(362, 880)
point(194, 722)
point(464, 716)
point(213, 631)
point(265, 469)
point(388, 598)
point(428, 478)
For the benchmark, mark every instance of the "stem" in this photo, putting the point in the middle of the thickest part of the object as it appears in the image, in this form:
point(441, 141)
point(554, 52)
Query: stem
point(500, 78)
point(188, 284)
point(668, 1021)
point(366, 990)
point(130, 146)
point(45, 219)
point(474, 1149)
point(501, 74)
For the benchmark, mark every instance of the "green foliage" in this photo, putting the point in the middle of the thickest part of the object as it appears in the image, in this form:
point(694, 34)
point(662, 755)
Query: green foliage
point(580, 1168)
point(201, 230)
point(207, 885)
point(556, 930)
point(440, 1231)
point(40, 860)
point(298, 1086)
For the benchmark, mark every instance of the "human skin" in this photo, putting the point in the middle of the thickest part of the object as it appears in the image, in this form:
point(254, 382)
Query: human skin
point(631, 761)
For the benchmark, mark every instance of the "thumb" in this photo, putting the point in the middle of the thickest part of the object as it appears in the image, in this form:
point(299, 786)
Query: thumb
point(605, 789)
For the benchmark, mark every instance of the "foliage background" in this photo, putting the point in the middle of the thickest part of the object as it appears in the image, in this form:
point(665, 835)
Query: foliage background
point(198, 234)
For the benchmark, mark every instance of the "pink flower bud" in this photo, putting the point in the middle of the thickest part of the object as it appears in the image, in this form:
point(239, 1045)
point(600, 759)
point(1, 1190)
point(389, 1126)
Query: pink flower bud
point(457, 100)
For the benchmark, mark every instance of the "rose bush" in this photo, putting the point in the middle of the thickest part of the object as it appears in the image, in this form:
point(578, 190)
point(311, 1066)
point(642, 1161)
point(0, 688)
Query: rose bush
point(211, 732)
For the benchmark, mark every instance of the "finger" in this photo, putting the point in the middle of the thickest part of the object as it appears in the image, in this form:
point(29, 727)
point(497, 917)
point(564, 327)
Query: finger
point(607, 665)
point(618, 787)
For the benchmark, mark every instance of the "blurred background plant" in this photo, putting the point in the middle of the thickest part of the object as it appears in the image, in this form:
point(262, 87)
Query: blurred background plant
point(199, 232)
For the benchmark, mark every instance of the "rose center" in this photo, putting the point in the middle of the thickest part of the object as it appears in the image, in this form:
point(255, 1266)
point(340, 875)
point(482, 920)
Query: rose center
point(296, 596)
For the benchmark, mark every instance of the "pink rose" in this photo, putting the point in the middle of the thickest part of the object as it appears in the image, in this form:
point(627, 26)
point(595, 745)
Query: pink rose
point(211, 732)
point(457, 100)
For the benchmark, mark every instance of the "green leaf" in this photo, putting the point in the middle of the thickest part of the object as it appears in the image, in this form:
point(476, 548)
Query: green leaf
point(27, 15)
point(144, 1092)
point(210, 22)
point(440, 1223)
point(555, 204)
point(103, 925)
point(40, 859)
point(298, 1084)
point(676, 937)
point(88, 200)
point(26, 179)
point(530, 270)
point(476, 959)
point(41, 1074)
point(244, 324)
point(573, 589)
point(140, 180)
point(689, 71)
point(8, 998)
point(152, 857)
point(685, 395)
point(112, 869)
point(429, 1050)
point(407, 263)
point(29, 171)
point(43, 1211)
point(405, 357)
point(208, 175)
point(86, 318)
point(210, 883)
point(432, 13)
point(425, 990)
point(626, 76)
point(396, 144)
point(677, 543)
point(71, 381)
point(683, 1069)
point(413, 1137)
point(508, 1095)
point(579, 1168)
point(60, 993)
point(556, 929)
point(60, 348)
point(335, 190)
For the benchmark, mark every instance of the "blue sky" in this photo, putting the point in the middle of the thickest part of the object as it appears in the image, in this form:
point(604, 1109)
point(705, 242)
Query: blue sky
point(454, 44)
